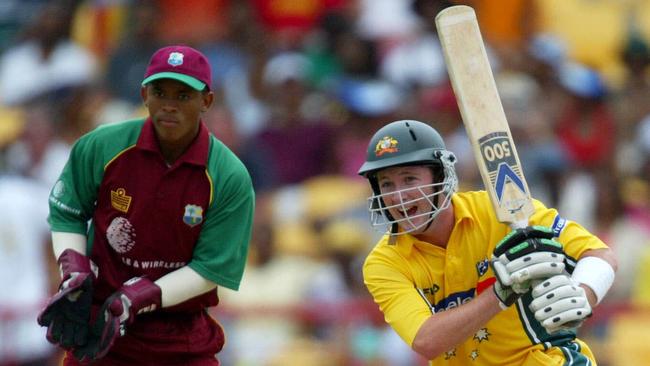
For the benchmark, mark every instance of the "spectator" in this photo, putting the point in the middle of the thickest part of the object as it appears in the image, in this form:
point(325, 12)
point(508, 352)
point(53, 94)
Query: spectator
point(24, 271)
point(46, 61)
point(128, 62)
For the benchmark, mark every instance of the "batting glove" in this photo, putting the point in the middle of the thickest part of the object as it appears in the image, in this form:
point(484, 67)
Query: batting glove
point(525, 255)
point(67, 313)
point(560, 303)
point(137, 295)
point(505, 295)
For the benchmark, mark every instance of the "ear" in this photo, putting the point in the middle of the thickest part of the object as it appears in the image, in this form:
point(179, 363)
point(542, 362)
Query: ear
point(144, 95)
point(208, 99)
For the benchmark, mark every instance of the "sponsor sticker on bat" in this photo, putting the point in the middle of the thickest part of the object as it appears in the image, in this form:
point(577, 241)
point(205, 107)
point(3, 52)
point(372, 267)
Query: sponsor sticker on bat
point(501, 164)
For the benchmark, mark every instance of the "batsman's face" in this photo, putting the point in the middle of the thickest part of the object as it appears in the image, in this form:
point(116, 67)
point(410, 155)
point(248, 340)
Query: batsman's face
point(175, 109)
point(406, 192)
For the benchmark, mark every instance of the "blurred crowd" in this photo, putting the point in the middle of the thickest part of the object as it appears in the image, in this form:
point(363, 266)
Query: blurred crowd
point(300, 87)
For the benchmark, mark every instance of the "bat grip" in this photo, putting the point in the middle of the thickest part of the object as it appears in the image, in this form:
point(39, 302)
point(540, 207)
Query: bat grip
point(519, 224)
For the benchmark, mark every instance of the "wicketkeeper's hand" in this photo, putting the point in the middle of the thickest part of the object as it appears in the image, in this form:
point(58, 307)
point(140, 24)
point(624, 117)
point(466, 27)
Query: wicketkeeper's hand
point(67, 313)
point(522, 256)
point(560, 303)
point(137, 295)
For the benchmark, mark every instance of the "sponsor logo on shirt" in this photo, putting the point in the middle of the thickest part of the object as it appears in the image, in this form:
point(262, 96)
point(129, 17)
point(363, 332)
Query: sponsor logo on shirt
point(59, 189)
point(64, 207)
point(454, 300)
point(193, 215)
point(120, 201)
point(154, 264)
point(121, 235)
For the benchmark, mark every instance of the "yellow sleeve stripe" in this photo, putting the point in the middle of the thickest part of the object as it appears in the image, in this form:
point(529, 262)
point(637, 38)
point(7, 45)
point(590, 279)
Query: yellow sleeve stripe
point(118, 155)
point(207, 174)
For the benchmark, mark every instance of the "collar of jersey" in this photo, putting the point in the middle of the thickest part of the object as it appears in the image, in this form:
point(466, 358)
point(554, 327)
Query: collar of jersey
point(196, 154)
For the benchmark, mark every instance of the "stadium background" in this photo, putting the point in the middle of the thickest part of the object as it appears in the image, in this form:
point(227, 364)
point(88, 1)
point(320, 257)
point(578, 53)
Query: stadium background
point(300, 87)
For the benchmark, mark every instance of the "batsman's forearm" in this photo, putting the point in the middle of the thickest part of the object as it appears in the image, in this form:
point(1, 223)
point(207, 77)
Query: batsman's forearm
point(62, 241)
point(445, 330)
point(596, 271)
point(182, 284)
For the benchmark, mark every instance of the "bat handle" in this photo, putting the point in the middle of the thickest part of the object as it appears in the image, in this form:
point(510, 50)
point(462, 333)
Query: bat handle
point(519, 224)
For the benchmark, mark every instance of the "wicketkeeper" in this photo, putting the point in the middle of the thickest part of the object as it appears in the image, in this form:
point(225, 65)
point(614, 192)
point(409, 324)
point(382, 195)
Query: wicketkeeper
point(148, 217)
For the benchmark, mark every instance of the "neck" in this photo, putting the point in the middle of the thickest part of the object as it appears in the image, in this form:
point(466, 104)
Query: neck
point(171, 154)
point(173, 149)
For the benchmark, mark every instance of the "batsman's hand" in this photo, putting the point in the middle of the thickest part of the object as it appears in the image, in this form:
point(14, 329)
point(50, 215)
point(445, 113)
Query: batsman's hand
point(526, 255)
point(67, 312)
point(137, 295)
point(560, 303)
point(505, 295)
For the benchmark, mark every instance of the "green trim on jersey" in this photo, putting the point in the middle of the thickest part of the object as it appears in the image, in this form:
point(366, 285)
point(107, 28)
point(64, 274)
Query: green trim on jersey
point(72, 199)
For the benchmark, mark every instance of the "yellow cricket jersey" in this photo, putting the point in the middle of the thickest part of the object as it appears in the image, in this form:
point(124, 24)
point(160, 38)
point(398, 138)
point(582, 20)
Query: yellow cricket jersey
point(410, 279)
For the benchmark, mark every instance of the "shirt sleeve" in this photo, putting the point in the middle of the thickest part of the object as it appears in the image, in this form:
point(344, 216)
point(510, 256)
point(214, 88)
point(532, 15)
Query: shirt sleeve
point(400, 302)
point(72, 199)
point(575, 239)
point(222, 249)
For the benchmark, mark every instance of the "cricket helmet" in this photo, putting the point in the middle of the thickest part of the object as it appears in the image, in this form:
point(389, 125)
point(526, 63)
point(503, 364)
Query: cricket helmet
point(402, 143)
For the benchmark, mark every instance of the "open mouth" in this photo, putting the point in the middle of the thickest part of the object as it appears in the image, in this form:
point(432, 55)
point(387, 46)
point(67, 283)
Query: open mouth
point(409, 212)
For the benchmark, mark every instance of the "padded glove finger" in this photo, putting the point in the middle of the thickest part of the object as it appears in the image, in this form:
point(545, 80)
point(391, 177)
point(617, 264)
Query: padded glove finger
point(68, 312)
point(545, 299)
point(569, 319)
point(560, 303)
point(516, 237)
point(538, 265)
point(528, 246)
point(137, 295)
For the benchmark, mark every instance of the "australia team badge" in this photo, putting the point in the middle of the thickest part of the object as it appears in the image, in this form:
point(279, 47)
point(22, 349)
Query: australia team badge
point(193, 215)
point(387, 144)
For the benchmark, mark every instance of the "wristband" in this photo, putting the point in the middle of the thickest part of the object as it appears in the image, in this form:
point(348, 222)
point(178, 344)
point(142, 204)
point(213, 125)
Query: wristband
point(596, 273)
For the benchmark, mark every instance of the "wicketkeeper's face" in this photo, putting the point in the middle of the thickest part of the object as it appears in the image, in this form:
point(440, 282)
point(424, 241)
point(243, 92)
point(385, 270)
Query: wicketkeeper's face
point(175, 109)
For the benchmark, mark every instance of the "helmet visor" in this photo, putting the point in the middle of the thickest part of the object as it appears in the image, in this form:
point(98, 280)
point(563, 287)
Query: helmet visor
point(412, 208)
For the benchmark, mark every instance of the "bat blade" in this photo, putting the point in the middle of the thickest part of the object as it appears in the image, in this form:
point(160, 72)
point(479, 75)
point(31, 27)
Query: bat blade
point(483, 115)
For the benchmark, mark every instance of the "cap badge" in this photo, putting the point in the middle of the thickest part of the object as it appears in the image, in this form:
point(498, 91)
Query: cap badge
point(175, 59)
point(386, 145)
point(193, 215)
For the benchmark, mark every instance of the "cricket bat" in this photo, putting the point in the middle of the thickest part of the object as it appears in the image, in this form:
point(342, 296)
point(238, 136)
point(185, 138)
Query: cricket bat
point(483, 116)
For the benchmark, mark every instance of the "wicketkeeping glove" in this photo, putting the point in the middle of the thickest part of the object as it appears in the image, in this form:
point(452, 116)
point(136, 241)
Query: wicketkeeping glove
point(67, 313)
point(522, 256)
point(137, 295)
point(560, 303)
